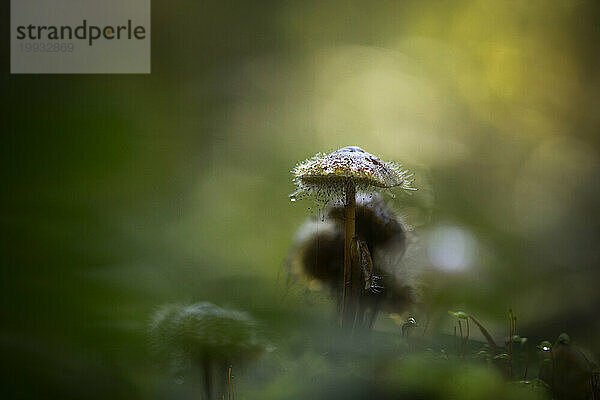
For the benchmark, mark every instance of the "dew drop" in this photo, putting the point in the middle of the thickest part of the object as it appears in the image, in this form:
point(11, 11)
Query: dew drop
point(293, 199)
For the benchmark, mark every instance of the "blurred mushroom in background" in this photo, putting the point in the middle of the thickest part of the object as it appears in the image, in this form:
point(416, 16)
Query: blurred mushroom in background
point(571, 371)
point(206, 338)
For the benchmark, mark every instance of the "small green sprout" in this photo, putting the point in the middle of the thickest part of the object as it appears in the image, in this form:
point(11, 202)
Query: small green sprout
point(517, 339)
point(464, 341)
point(459, 314)
point(545, 346)
point(563, 338)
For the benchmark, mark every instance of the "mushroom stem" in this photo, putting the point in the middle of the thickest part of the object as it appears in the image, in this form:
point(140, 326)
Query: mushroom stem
point(347, 315)
point(207, 369)
point(215, 378)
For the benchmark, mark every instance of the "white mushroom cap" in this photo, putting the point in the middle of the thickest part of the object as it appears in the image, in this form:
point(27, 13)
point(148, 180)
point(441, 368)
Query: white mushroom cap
point(331, 172)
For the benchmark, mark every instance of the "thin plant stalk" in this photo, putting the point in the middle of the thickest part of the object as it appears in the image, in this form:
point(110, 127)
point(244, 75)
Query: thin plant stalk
point(462, 341)
point(230, 381)
point(347, 314)
point(426, 326)
point(455, 340)
point(467, 337)
point(513, 322)
point(486, 334)
point(362, 266)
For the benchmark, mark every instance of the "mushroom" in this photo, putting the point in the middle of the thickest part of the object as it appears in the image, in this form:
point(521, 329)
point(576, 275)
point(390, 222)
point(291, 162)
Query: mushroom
point(206, 337)
point(571, 371)
point(340, 175)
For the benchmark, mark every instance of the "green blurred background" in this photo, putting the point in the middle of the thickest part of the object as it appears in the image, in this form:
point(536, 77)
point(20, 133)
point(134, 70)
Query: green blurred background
point(125, 192)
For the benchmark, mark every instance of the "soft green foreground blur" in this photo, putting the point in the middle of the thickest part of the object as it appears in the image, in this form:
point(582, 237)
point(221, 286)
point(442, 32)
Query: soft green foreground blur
point(122, 193)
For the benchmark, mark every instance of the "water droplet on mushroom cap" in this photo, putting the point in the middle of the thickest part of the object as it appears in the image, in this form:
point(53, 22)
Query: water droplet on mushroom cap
point(350, 149)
